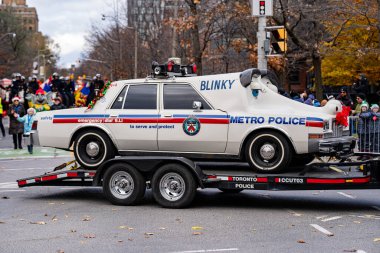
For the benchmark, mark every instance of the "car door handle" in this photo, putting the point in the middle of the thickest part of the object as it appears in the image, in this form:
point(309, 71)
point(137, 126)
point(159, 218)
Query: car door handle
point(168, 115)
point(113, 116)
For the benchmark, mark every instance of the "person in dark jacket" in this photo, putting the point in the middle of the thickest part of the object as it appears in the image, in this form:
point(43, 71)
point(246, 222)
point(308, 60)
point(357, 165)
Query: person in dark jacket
point(344, 97)
point(33, 85)
point(364, 127)
point(57, 104)
point(16, 128)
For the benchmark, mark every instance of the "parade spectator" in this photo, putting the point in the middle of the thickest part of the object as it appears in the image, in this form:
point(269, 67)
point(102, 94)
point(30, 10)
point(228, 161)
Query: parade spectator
point(27, 120)
point(1, 118)
point(33, 85)
point(360, 99)
point(18, 88)
point(57, 104)
point(344, 98)
point(362, 85)
point(363, 128)
point(375, 129)
point(323, 102)
point(16, 128)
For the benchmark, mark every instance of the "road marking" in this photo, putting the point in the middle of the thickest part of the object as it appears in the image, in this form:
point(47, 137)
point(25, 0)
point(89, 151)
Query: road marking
point(332, 218)
point(347, 195)
point(376, 207)
point(321, 229)
point(9, 185)
point(207, 250)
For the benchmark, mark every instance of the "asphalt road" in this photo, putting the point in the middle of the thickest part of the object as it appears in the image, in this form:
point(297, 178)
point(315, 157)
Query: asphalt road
point(74, 219)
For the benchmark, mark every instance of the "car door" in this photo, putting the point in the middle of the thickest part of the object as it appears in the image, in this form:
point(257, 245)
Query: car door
point(184, 129)
point(133, 118)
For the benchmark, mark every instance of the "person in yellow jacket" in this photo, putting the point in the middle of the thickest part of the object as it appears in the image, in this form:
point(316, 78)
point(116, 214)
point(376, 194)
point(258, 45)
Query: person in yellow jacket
point(1, 118)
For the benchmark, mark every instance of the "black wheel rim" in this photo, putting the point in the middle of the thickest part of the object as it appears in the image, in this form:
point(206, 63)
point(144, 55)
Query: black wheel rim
point(258, 145)
point(82, 146)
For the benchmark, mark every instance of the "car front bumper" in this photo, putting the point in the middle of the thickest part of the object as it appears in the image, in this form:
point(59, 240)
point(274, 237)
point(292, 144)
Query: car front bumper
point(344, 145)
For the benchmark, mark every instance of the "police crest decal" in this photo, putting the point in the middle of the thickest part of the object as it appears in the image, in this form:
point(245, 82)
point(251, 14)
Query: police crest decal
point(191, 126)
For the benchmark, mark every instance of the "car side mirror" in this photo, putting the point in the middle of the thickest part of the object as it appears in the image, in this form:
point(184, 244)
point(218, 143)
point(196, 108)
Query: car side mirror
point(197, 106)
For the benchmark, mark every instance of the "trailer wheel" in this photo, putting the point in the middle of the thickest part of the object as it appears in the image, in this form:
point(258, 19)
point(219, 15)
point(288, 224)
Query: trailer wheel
point(92, 148)
point(268, 152)
point(230, 191)
point(123, 185)
point(173, 186)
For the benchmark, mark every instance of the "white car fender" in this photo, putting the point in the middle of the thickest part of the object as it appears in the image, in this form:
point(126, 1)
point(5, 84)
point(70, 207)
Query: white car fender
point(101, 127)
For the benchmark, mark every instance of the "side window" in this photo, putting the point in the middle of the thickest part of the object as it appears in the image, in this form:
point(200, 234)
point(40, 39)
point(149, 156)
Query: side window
point(182, 97)
point(141, 97)
point(118, 104)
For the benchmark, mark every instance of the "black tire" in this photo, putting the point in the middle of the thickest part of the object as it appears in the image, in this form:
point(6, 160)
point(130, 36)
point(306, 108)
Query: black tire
point(105, 148)
point(268, 152)
point(303, 159)
point(173, 186)
point(230, 191)
point(123, 185)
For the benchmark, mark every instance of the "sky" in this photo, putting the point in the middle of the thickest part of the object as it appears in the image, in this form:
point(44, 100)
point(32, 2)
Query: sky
point(67, 22)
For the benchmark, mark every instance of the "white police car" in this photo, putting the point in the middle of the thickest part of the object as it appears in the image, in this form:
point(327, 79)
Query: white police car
point(226, 116)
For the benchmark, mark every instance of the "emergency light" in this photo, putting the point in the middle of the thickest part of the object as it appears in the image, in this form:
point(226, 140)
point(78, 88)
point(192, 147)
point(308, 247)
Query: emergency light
point(172, 69)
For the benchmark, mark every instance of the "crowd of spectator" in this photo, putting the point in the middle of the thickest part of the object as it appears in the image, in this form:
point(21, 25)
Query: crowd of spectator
point(22, 99)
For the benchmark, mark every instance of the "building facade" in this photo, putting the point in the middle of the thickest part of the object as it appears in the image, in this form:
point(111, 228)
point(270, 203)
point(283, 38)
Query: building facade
point(28, 15)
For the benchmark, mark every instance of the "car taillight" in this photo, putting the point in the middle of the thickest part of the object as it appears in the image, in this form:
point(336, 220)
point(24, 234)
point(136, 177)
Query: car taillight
point(34, 126)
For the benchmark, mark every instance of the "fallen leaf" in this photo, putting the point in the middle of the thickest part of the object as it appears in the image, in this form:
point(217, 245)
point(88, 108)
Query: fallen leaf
point(376, 239)
point(21, 219)
point(120, 241)
point(62, 203)
point(148, 233)
point(130, 239)
point(60, 251)
point(197, 233)
point(114, 209)
point(66, 216)
point(2, 222)
point(46, 215)
point(162, 228)
point(89, 236)
point(301, 241)
point(51, 203)
point(357, 222)
point(350, 250)
point(196, 228)
point(73, 231)
point(5, 197)
point(54, 218)
point(38, 223)
point(87, 218)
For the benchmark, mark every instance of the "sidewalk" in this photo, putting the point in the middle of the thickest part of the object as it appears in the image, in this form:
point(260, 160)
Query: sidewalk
point(8, 153)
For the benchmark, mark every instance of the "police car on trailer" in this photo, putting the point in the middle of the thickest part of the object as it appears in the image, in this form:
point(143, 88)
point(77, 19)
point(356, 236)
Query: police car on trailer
point(222, 116)
point(226, 116)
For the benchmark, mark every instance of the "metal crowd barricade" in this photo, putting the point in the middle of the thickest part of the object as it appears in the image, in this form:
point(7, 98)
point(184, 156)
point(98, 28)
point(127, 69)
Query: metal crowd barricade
point(367, 132)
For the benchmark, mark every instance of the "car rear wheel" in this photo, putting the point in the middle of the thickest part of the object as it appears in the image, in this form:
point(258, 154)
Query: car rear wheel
point(268, 152)
point(92, 148)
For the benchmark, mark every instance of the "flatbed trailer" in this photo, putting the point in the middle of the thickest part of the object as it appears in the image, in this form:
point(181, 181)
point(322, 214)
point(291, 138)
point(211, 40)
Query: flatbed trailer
point(174, 180)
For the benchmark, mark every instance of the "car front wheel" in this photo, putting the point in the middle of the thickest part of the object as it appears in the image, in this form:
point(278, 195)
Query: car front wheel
point(92, 148)
point(268, 152)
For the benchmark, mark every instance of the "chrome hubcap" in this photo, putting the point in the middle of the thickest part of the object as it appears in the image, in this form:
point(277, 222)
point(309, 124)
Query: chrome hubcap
point(172, 186)
point(267, 151)
point(122, 185)
point(92, 149)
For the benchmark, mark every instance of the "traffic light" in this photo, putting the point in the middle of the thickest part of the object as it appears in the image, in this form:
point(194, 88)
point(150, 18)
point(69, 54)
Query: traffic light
point(279, 44)
point(262, 7)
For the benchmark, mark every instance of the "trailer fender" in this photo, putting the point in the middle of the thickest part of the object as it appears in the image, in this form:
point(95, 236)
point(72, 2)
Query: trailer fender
point(147, 165)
